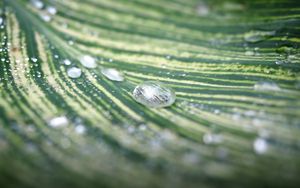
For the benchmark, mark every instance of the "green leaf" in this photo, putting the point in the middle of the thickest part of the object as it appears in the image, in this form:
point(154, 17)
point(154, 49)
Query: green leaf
point(234, 66)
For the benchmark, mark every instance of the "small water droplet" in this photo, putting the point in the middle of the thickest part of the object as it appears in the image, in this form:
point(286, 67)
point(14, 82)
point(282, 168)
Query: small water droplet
point(216, 111)
point(45, 17)
point(74, 72)
point(142, 127)
point(266, 86)
point(70, 42)
point(130, 129)
point(58, 121)
point(203, 9)
point(112, 74)
point(257, 36)
point(260, 145)
point(168, 57)
point(252, 52)
point(249, 53)
point(154, 94)
point(34, 59)
point(287, 54)
point(210, 138)
point(37, 4)
point(1, 20)
point(88, 61)
point(67, 62)
point(51, 10)
point(80, 129)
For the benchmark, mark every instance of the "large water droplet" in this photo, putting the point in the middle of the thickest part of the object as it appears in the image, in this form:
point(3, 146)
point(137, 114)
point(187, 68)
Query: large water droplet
point(58, 121)
point(88, 61)
point(257, 36)
point(266, 86)
point(74, 72)
point(154, 94)
point(1, 20)
point(112, 74)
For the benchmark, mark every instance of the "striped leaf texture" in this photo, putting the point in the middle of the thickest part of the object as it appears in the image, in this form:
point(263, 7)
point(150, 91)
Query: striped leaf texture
point(69, 117)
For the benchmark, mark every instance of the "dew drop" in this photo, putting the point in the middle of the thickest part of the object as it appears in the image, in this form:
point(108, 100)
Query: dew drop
point(80, 129)
point(203, 9)
point(210, 138)
point(168, 57)
point(70, 42)
point(249, 53)
point(266, 86)
point(88, 61)
point(1, 20)
point(51, 10)
point(58, 121)
point(67, 62)
point(260, 145)
point(142, 127)
point(112, 74)
point(37, 4)
point(74, 72)
point(154, 94)
point(257, 36)
point(34, 59)
point(252, 52)
point(130, 129)
point(287, 54)
point(45, 17)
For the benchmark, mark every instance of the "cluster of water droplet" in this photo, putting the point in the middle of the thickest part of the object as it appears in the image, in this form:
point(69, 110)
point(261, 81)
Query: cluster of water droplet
point(63, 121)
point(149, 93)
point(46, 11)
point(287, 54)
